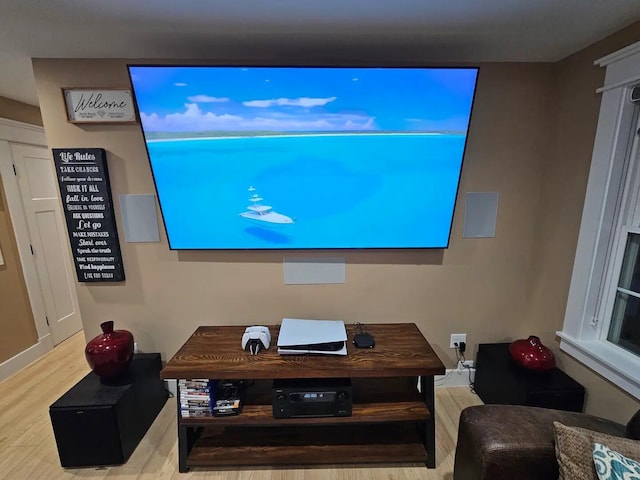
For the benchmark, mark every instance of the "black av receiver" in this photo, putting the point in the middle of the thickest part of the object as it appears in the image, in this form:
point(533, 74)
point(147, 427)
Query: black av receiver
point(312, 397)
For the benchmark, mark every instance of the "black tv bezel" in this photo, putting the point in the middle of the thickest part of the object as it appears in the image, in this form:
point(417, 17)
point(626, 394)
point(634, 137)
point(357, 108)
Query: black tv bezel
point(355, 64)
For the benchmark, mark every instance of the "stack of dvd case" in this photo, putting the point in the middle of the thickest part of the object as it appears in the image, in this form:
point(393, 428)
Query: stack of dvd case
point(196, 397)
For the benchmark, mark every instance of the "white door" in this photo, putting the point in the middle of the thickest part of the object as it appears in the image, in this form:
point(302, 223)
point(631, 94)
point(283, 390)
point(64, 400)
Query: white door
point(47, 231)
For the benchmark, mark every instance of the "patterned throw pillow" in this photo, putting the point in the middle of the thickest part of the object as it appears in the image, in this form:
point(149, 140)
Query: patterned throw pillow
point(611, 465)
point(574, 450)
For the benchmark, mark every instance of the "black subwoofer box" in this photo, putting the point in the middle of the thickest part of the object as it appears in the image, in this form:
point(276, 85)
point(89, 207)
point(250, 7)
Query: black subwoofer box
point(499, 380)
point(97, 423)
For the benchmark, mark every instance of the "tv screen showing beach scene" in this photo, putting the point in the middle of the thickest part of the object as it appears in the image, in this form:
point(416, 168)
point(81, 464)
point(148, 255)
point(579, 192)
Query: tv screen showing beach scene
point(305, 157)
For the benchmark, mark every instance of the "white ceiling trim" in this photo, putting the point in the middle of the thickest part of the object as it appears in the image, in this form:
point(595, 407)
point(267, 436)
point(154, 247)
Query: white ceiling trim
point(618, 55)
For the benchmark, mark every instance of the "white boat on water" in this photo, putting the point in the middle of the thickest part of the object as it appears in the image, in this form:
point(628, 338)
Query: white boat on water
point(263, 213)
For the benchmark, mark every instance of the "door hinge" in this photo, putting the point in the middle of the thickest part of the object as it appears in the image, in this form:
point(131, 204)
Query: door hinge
point(31, 247)
point(47, 320)
point(14, 169)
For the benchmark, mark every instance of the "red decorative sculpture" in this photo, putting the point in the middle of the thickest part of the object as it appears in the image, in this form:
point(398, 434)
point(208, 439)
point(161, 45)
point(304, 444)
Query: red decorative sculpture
point(532, 354)
point(110, 353)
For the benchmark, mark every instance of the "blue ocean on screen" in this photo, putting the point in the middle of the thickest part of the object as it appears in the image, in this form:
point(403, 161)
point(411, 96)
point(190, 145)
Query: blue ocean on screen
point(329, 190)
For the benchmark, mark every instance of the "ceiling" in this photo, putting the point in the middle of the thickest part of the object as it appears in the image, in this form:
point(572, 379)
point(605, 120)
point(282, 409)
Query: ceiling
point(404, 30)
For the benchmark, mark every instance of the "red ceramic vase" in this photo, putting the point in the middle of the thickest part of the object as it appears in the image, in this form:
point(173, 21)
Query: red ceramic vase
point(110, 353)
point(532, 354)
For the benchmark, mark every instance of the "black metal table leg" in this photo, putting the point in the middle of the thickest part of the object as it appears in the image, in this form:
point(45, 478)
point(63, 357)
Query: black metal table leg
point(428, 395)
point(183, 449)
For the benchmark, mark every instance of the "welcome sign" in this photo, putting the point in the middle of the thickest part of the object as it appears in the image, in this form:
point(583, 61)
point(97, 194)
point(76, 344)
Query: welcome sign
point(99, 106)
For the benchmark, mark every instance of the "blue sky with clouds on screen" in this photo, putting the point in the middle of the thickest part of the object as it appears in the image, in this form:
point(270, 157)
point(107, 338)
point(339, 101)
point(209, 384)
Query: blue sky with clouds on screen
point(189, 99)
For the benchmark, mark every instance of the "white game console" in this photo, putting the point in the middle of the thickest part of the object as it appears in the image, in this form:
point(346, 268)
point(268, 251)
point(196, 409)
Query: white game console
point(256, 338)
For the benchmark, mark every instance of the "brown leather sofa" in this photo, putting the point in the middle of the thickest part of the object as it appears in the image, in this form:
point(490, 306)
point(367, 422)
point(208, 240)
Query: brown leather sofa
point(509, 442)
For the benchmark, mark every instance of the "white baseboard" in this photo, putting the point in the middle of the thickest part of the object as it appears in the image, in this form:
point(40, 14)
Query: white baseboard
point(24, 358)
point(454, 378)
point(47, 343)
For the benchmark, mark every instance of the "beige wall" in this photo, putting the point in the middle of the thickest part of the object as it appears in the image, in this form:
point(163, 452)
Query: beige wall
point(19, 111)
point(530, 139)
point(476, 286)
point(16, 318)
point(573, 126)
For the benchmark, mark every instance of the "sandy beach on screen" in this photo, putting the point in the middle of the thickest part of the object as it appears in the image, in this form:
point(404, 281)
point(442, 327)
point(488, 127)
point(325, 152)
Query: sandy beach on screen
point(188, 139)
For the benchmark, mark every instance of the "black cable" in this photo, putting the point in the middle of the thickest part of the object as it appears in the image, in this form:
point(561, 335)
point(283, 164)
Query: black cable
point(446, 376)
point(472, 384)
point(457, 353)
point(460, 349)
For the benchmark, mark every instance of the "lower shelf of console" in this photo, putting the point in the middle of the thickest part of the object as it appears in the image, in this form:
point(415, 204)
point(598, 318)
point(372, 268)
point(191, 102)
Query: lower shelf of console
point(387, 425)
point(308, 445)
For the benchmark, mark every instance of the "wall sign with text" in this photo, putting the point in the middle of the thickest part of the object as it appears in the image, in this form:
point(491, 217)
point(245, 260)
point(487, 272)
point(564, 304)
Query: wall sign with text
point(88, 105)
point(88, 210)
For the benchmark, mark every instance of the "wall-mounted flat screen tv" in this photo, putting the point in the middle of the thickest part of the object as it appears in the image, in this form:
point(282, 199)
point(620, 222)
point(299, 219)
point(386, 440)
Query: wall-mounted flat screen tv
point(305, 157)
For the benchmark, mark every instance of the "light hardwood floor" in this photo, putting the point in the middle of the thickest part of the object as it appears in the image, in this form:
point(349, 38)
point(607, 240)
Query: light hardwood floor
point(28, 448)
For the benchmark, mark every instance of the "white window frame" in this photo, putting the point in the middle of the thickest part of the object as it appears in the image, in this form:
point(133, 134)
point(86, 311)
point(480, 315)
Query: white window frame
point(602, 237)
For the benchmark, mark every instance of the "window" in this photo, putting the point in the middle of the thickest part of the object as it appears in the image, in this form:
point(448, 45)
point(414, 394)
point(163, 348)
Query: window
point(624, 328)
point(602, 321)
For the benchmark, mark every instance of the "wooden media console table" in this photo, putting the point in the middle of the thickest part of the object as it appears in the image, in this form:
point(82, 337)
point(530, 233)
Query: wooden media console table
point(392, 421)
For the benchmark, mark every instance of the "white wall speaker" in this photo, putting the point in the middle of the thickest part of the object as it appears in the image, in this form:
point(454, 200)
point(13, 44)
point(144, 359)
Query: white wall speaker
point(480, 215)
point(310, 271)
point(139, 218)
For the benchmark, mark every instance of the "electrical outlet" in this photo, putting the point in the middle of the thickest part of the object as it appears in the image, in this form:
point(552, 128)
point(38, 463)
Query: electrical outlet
point(457, 338)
